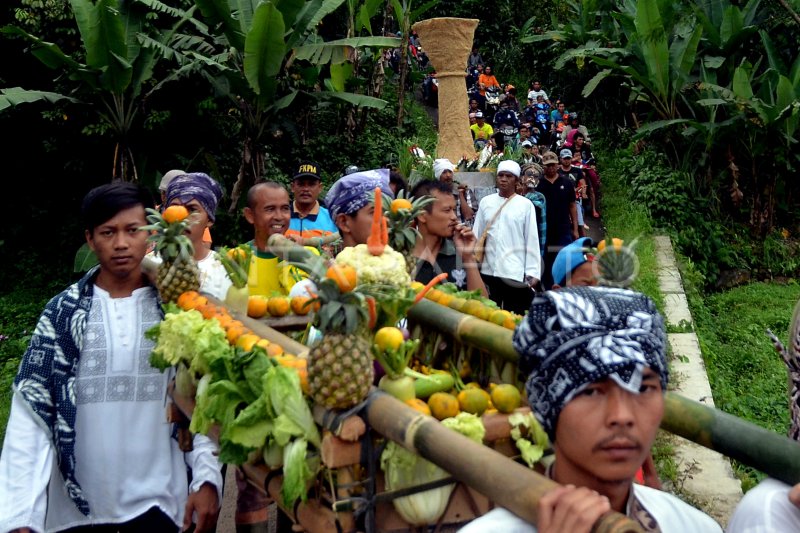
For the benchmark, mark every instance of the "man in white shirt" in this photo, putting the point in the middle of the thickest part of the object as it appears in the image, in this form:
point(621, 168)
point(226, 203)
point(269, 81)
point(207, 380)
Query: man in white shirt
point(596, 360)
point(87, 441)
point(511, 265)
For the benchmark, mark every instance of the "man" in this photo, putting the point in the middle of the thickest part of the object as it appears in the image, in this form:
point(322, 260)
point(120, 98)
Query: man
point(269, 212)
point(505, 116)
point(87, 442)
point(466, 204)
point(575, 124)
point(562, 216)
point(536, 90)
point(574, 265)
point(511, 264)
point(596, 358)
point(530, 153)
point(567, 170)
point(164, 183)
point(308, 218)
point(557, 118)
point(349, 203)
point(481, 131)
point(445, 244)
point(531, 174)
point(474, 58)
point(542, 119)
point(524, 133)
point(473, 106)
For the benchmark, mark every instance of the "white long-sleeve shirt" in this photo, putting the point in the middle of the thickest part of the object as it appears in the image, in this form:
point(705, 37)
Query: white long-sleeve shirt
point(125, 457)
point(512, 246)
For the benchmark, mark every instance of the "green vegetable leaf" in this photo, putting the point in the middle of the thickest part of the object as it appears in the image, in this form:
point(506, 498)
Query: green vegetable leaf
point(296, 473)
point(286, 398)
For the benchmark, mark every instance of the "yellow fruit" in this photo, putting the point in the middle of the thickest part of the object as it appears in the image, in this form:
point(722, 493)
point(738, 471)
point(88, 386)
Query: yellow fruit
point(400, 203)
point(506, 397)
point(434, 295)
point(417, 286)
point(237, 254)
point(419, 405)
point(474, 401)
point(256, 306)
point(274, 350)
point(445, 299)
point(175, 213)
point(617, 243)
point(457, 304)
point(246, 341)
point(509, 323)
point(278, 306)
point(344, 275)
point(443, 405)
point(388, 338)
point(499, 316)
point(263, 343)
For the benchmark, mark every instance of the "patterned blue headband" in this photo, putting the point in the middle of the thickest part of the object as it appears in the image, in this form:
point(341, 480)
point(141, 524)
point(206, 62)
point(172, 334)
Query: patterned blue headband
point(573, 337)
point(353, 191)
point(195, 186)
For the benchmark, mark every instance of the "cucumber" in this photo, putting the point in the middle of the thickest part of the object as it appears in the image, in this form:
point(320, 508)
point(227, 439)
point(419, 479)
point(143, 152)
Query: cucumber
point(427, 384)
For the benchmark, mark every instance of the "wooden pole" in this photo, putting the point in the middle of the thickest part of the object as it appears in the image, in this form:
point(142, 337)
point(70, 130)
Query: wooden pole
point(508, 483)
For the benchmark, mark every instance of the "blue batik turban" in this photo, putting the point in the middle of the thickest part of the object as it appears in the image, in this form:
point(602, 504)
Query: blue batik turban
point(195, 186)
point(577, 336)
point(353, 191)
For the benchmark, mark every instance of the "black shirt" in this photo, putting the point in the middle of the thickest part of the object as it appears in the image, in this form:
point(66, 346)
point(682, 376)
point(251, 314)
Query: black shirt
point(446, 261)
point(558, 197)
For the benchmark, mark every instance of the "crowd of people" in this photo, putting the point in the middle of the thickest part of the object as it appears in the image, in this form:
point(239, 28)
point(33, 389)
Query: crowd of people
point(87, 446)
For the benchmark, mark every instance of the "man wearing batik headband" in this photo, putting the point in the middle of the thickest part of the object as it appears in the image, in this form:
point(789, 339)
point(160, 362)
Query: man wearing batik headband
point(200, 194)
point(598, 373)
point(348, 201)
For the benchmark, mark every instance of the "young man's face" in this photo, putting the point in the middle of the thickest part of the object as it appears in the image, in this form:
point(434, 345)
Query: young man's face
point(561, 107)
point(118, 243)
point(198, 221)
point(306, 190)
point(566, 163)
point(446, 176)
point(524, 133)
point(506, 183)
point(605, 432)
point(537, 86)
point(442, 219)
point(355, 228)
point(270, 212)
point(551, 170)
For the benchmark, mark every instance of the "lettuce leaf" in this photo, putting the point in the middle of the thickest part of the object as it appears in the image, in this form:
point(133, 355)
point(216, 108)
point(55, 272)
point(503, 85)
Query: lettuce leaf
point(296, 472)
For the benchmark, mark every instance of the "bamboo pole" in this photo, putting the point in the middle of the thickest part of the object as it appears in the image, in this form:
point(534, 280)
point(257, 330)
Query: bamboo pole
point(508, 483)
point(769, 452)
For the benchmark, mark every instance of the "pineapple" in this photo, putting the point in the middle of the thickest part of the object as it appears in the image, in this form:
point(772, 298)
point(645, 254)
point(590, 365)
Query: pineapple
point(340, 371)
point(400, 214)
point(178, 271)
point(617, 265)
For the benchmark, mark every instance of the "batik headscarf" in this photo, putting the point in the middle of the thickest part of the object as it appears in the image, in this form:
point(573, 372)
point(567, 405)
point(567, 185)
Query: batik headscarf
point(352, 192)
point(195, 186)
point(573, 337)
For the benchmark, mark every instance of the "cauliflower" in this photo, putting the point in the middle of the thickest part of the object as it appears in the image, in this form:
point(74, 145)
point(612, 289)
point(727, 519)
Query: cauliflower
point(388, 268)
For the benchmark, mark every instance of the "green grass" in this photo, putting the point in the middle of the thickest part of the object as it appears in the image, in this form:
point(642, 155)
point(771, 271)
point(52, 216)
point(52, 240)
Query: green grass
point(748, 378)
point(630, 222)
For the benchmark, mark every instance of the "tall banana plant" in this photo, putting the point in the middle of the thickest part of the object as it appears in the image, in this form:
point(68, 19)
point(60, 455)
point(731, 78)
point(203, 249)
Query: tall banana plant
point(120, 52)
point(659, 57)
point(271, 55)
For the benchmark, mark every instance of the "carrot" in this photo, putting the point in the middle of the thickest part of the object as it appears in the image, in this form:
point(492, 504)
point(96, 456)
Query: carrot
point(375, 241)
point(373, 313)
point(431, 284)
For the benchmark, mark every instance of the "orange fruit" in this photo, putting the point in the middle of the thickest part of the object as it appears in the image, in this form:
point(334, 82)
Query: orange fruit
point(235, 330)
point(419, 405)
point(208, 310)
point(615, 242)
point(400, 203)
point(443, 405)
point(506, 397)
point(389, 338)
point(175, 213)
point(256, 306)
point(300, 305)
point(278, 306)
point(187, 300)
point(344, 275)
point(246, 341)
point(224, 320)
point(274, 350)
point(434, 295)
point(473, 400)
